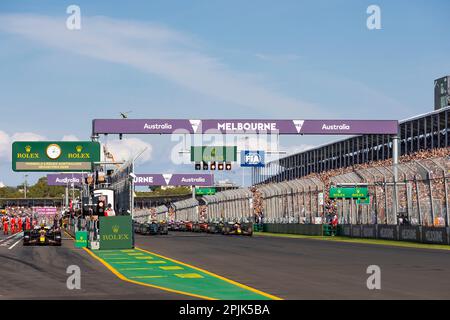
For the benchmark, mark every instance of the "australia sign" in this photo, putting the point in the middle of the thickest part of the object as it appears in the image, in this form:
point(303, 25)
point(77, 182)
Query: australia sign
point(244, 126)
point(65, 179)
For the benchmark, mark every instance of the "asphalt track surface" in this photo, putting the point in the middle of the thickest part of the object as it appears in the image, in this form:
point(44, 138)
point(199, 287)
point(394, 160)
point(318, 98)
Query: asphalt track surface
point(287, 268)
point(40, 273)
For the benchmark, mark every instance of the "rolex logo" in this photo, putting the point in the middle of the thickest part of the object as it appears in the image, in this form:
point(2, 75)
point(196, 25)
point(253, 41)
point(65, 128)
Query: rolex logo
point(28, 149)
point(115, 229)
point(79, 148)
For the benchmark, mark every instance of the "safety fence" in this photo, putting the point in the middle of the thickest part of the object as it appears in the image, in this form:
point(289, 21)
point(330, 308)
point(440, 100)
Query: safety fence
point(151, 214)
point(185, 210)
point(234, 205)
point(420, 196)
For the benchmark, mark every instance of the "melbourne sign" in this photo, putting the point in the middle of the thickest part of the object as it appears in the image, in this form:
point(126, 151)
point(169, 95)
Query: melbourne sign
point(348, 193)
point(65, 179)
point(189, 179)
point(115, 233)
point(214, 153)
point(54, 156)
point(238, 126)
point(252, 158)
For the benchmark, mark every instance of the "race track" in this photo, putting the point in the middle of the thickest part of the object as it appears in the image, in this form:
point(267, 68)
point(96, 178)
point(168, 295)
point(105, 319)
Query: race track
point(40, 273)
point(311, 269)
point(287, 268)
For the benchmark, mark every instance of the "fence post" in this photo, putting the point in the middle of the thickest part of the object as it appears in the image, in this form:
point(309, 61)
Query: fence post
point(418, 201)
point(430, 185)
point(446, 199)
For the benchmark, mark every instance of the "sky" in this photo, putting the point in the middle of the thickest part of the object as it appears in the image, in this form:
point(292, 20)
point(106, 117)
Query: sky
point(211, 59)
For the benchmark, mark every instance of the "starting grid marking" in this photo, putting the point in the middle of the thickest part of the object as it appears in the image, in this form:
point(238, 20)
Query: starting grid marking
point(153, 270)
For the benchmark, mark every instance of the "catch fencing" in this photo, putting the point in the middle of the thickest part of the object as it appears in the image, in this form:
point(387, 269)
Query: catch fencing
point(420, 196)
point(233, 205)
point(151, 214)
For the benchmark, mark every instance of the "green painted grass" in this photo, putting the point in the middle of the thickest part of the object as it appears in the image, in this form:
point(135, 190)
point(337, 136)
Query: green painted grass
point(403, 244)
point(165, 273)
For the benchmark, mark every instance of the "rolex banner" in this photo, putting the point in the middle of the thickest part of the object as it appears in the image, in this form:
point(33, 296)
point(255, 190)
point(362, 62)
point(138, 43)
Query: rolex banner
point(116, 233)
point(54, 156)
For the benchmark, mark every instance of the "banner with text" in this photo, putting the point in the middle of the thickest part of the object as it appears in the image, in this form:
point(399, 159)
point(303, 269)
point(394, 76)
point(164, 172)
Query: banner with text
point(176, 179)
point(244, 126)
point(50, 156)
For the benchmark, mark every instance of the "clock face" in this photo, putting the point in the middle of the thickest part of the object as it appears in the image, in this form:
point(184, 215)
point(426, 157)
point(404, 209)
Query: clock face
point(53, 151)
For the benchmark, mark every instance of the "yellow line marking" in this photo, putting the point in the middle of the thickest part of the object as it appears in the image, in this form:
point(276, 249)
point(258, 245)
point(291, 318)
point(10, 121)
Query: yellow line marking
point(189, 275)
point(119, 258)
point(128, 250)
point(171, 268)
point(240, 285)
point(120, 276)
point(135, 254)
point(156, 262)
point(148, 277)
point(134, 269)
point(144, 258)
point(126, 262)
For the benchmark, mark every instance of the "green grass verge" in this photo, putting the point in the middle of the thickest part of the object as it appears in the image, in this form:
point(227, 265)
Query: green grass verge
point(358, 240)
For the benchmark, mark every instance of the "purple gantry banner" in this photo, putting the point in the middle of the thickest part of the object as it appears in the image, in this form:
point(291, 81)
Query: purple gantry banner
point(64, 179)
point(189, 179)
point(320, 127)
point(45, 210)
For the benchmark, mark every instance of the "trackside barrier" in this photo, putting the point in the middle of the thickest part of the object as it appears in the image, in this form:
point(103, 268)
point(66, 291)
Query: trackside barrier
point(294, 228)
point(430, 235)
point(421, 234)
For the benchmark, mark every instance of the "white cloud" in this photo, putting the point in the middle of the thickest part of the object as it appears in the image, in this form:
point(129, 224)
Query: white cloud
point(70, 137)
point(157, 50)
point(27, 136)
point(124, 150)
point(6, 141)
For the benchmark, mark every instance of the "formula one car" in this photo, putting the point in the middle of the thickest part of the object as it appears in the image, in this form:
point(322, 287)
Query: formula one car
point(215, 227)
point(245, 229)
point(42, 235)
point(200, 227)
point(189, 226)
point(153, 228)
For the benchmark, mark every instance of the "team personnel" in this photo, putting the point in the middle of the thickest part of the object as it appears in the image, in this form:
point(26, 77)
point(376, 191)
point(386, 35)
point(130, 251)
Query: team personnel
point(19, 224)
point(27, 223)
point(5, 226)
point(13, 225)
